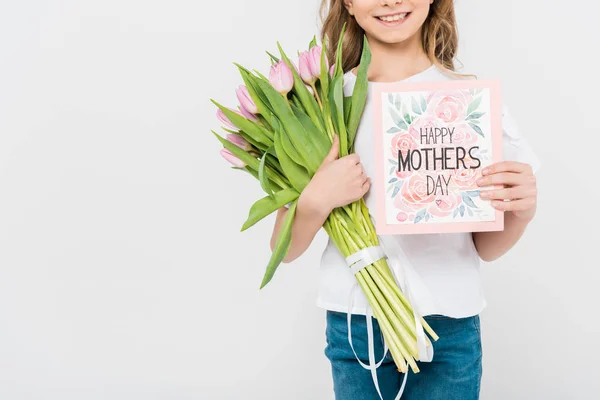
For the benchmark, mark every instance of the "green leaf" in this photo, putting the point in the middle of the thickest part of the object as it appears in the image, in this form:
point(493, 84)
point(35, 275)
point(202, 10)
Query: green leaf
point(337, 99)
point(238, 152)
point(313, 42)
point(423, 103)
point(284, 240)
point(415, 106)
point(468, 201)
point(393, 129)
point(307, 147)
point(296, 173)
point(475, 115)
point(359, 93)
point(248, 138)
point(325, 77)
point(274, 60)
point(476, 129)
point(265, 206)
point(397, 119)
point(398, 101)
point(347, 108)
point(338, 70)
point(306, 98)
point(262, 176)
point(474, 104)
point(257, 132)
point(257, 95)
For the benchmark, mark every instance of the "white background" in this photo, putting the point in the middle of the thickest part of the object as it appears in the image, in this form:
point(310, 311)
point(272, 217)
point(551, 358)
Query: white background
point(123, 274)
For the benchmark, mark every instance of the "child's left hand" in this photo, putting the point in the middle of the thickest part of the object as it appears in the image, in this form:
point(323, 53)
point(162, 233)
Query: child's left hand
point(519, 187)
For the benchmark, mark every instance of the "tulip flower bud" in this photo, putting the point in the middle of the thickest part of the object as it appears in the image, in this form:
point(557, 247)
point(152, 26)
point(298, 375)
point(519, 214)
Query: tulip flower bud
point(239, 141)
point(225, 121)
point(314, 61)
point(232, 159)
point(245, 100)
point(281, 77)
point(305, 71)
point(243, 112)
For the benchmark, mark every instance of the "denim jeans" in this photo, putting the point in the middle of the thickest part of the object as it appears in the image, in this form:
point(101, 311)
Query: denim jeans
point(454, 373)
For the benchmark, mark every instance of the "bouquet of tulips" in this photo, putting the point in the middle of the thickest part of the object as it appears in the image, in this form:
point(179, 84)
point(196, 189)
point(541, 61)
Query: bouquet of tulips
point(280, 135)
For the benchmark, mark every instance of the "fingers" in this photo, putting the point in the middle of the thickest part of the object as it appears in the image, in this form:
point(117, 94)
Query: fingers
point(366, 186)
point(503, 178)
point(515, 205)
point(507, 166)
point(334, 152)
point(353, 158)
point(362, 177)
point(518, 192)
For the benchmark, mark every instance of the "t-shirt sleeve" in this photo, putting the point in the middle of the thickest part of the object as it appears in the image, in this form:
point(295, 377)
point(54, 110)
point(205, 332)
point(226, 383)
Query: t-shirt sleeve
point(515, 146)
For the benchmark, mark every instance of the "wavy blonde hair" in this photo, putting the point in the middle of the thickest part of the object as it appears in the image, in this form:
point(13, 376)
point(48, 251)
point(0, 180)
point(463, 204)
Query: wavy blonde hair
point(439, 35)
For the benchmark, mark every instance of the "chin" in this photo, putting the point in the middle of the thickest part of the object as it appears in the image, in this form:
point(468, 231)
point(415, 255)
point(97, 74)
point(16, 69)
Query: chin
point(392, 37)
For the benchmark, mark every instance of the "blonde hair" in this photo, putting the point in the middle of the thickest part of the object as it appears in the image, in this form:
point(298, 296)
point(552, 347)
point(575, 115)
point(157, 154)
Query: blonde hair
point(439, 35)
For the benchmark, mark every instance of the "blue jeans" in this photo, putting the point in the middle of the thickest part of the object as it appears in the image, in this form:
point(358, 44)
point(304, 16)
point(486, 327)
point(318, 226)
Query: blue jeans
point(454, 373)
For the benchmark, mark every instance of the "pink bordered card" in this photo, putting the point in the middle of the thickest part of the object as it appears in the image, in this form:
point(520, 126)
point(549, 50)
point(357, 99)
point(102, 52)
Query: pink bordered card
point(432, 140)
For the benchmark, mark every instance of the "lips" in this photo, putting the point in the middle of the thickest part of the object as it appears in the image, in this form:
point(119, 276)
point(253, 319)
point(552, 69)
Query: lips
point(393, 19)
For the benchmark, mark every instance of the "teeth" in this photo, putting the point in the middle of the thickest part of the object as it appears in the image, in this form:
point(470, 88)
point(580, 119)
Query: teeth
point(393, 17)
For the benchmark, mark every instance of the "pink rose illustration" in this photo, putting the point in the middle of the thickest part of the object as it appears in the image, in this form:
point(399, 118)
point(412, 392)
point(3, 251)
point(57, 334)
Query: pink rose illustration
point(423, 126)
point(413, 194)
point(403, 174)
point(463, 135)
point(403, 142)
point(449, 106)
point(445, 204)
point(465, 178)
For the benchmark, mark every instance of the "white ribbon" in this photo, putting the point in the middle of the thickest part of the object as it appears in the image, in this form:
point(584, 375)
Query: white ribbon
point(391, 250)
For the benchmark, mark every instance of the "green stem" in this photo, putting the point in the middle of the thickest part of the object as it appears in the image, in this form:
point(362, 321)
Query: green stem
point(392, 340)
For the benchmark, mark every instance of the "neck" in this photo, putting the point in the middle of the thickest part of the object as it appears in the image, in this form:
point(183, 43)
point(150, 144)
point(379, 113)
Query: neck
point(398, 61)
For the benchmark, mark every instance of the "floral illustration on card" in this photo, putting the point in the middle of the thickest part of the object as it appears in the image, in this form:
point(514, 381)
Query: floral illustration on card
point(436, 144)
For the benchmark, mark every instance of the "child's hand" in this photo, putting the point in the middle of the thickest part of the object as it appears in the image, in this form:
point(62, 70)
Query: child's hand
point(519, 187)
point(338, 181)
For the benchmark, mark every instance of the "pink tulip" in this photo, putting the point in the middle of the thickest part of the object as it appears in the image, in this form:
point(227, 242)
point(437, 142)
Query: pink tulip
point(239, 141)
point(224, 120)
point(310, 89)
point(331, 70)
point(305, 71)
point(232, 159)
point(314, 61)
point(245, 99)
point(243, 112)
point(281, 77)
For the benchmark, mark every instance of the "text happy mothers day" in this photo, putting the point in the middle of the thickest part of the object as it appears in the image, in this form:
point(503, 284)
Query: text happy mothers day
point(429, 157)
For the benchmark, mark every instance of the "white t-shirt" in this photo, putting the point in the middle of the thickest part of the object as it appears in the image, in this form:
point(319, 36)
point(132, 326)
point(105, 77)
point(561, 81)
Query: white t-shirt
point(447, 263)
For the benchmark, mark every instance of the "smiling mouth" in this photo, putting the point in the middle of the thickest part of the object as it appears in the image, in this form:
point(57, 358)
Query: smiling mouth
point(393, 17)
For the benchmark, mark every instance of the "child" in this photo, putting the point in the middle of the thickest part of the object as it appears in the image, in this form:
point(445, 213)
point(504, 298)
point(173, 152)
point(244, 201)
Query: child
point(411, 40)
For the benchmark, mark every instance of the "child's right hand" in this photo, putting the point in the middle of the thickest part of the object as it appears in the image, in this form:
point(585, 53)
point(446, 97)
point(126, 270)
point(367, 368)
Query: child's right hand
point(337, 182)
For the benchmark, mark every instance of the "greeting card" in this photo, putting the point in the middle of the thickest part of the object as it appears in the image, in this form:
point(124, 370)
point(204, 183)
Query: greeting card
point(432, 140)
